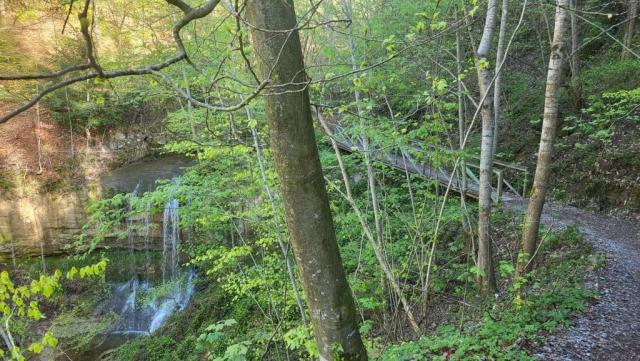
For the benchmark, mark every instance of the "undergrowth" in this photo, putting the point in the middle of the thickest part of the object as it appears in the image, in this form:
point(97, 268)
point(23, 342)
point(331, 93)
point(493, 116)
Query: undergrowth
point(529, 309)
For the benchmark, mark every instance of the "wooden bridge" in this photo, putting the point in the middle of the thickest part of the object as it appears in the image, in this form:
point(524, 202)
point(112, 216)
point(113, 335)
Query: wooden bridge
point(505, 174)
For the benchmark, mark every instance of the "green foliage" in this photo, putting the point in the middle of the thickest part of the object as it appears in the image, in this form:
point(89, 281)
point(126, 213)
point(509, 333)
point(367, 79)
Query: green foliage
point(104, 219)
point(97, 269)
point(214, 334)
point(407, 81)
point(504, 331)
point(611, 75)
point(603, 116)
point(22, 303)
point(301, 338)
point(599, 147)
point(6, 182)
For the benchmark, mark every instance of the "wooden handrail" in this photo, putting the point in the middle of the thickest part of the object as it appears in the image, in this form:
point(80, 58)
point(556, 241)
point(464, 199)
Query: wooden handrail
point(394, 160)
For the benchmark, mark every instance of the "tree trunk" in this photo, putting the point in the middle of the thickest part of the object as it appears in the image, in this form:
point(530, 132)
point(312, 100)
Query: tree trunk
point(71, 141)
point(549, 125)
point(461, 114)
point(297, 163)
point(348, 10)
point(632, 11)
point(486, 277)
point(3, 13)
point(576, 86)
point(497, 86)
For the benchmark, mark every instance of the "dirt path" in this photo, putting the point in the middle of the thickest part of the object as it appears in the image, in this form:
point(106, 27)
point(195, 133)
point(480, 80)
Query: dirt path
point(610, 329)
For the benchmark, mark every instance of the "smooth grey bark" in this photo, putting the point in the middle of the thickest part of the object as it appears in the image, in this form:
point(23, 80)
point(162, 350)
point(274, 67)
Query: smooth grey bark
point(297, 162)
point(632, 13)
point(461, 141)
point(498, 81)
point(486, 276)
point(545, 152)
point(5, 333)
point(189, 105)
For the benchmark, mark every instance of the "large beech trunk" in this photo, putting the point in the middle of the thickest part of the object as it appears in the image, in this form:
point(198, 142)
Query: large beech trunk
point(297, 162)
point(549, 125)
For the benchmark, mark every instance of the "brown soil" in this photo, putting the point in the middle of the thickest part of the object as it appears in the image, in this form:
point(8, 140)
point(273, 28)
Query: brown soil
point(19, 147)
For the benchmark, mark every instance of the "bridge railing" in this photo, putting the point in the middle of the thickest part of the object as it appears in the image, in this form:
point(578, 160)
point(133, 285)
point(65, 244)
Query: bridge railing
point(509, 177)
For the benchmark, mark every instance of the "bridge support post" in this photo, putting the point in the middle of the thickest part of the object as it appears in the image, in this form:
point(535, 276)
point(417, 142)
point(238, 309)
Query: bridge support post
point(499, 186)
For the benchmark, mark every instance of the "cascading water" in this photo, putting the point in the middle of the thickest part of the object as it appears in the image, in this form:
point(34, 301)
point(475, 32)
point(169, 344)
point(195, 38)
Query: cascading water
point(131, 231)
point(147, 240)
point(171, 240)
point(143, 306)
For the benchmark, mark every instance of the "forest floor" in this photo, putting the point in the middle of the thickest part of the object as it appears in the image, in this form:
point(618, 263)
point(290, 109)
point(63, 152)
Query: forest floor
point(610, 328)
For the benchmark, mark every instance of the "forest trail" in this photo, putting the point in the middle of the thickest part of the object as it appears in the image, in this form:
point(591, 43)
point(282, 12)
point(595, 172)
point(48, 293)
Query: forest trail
point(610, 328)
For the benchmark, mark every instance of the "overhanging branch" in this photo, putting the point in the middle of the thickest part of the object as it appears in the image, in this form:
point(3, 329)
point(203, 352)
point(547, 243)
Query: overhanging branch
point(46, 76)
point(190, 14)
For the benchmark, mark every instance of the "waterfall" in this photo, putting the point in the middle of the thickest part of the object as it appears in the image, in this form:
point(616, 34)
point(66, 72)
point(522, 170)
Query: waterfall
point(42, 260)
point(147, 240)
point(131, 232)
point(142, 305)
point(170, 240)
point(13, 254)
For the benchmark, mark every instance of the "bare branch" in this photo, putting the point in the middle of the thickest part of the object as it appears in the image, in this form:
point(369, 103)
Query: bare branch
point(105, 75)
point(241, 45)
point(181, 4)
point(66, 19)
point(46, 76)
point(196, 102)
point(190, 15)
point(86, 34)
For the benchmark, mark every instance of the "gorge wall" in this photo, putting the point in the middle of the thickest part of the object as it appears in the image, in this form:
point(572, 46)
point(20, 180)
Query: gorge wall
point(49, 175)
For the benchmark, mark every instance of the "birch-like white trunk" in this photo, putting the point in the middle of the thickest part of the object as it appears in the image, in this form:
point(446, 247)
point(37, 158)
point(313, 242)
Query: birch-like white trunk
point(545, 152)
point(486, 277)
point(498, 82)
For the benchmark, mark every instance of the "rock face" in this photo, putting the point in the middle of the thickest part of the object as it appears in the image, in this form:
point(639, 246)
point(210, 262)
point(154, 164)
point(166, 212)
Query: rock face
point(41, 222)
point(48, 176)
point(35, 223)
